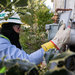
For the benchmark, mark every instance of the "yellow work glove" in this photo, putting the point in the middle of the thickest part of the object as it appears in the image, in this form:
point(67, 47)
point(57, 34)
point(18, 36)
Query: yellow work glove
point(49, 45)
point(61, 38)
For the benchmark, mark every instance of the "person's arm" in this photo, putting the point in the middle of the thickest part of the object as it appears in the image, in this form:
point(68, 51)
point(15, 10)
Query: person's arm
point(36, 57)
point(12, 52)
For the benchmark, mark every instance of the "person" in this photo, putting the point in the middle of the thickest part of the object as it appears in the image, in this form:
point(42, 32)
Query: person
point(12, 49)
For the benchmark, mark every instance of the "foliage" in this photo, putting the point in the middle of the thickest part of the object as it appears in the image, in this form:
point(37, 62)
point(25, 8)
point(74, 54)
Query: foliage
point(37, 15)
point(7, 4)
point(65, 66)
point(18, 67)
point(60, 63)
point(44, 17)
point(32, 41)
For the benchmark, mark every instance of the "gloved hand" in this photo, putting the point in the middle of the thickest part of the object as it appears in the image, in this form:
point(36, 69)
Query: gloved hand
point(62, 36)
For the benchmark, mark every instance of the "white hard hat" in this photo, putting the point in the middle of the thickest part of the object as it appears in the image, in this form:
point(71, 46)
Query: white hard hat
point(15, 18)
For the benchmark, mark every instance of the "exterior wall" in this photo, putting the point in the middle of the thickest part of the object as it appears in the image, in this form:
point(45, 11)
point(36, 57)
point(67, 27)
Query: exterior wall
point(58, 4)
point(70, 4)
